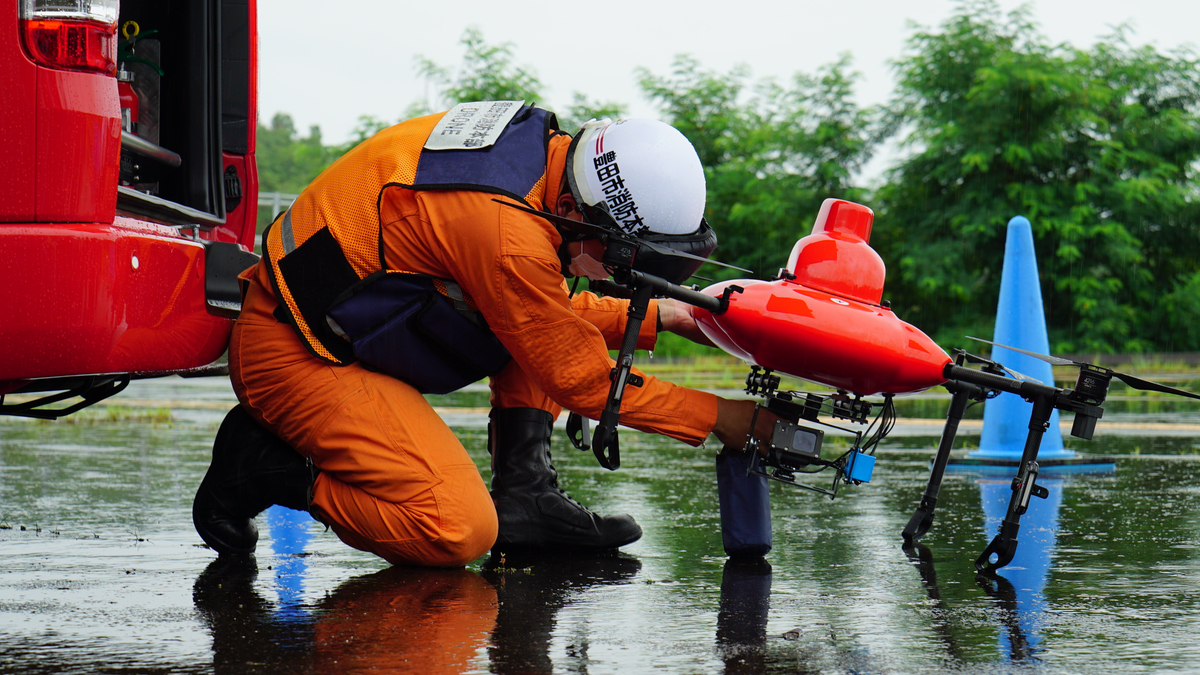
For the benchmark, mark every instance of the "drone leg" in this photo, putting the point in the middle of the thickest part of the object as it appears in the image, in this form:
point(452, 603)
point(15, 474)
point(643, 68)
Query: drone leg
point(1004, 546)
point(605, 444)
point(922, 518)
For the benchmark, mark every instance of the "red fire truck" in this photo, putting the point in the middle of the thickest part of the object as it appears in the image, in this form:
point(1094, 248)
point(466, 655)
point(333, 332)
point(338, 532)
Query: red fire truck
point(128, 192)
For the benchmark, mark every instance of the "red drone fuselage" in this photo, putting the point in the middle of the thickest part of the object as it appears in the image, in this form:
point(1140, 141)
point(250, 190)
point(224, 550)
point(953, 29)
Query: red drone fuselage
point(825, 321)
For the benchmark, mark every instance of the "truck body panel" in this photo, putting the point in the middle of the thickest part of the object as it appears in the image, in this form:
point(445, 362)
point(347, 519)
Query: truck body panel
point(121, 241)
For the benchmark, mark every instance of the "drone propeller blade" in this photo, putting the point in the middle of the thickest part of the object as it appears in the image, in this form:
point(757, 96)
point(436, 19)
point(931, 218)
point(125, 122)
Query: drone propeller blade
point(597, 231)
point(574, 225)
point(1020, 376)
point(1147, 385)
point(1054, 360)
point(668, 251)
point(1135, 382)
point(971, 358)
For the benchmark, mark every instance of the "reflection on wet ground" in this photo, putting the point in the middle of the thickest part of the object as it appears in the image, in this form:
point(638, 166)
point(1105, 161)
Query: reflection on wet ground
point(101, 571)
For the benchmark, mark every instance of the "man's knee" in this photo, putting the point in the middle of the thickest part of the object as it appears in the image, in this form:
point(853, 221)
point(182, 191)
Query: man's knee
point(459, 542)
point(467, 524)
point(473, 539)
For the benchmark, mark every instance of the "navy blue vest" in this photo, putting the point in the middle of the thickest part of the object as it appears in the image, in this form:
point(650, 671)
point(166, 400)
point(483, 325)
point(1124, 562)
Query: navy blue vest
point(399, 323)
point(512, 166)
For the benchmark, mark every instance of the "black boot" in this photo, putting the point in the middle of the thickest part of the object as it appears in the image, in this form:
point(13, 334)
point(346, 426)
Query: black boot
point(533, 511)
point(251, 470)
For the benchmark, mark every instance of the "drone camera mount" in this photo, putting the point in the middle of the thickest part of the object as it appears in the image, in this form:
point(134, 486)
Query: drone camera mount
point(795, 444)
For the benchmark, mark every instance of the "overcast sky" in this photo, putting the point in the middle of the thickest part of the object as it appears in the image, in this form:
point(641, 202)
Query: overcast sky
point(326, 63)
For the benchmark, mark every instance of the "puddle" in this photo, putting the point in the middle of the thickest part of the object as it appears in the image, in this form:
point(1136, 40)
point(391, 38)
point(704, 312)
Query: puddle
point(101, 571)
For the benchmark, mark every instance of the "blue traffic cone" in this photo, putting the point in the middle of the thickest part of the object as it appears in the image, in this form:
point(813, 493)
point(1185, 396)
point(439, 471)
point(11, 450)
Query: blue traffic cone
point(1021, 323)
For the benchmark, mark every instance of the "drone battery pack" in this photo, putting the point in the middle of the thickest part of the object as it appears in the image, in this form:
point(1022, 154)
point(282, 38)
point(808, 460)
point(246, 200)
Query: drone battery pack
point(860, 467)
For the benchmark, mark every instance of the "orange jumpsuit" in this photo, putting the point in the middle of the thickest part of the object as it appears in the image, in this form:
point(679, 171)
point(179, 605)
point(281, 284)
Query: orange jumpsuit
point(394, 479)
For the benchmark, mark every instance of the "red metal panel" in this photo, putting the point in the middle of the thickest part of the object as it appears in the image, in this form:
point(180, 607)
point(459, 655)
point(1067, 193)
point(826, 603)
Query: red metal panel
point(252, 141)
point(98, 298)
point(240, 221)
point(821, 337)
point(78, 147)
point(825, 323)
point(250, 186)
point(250, 203)
point(17, 121)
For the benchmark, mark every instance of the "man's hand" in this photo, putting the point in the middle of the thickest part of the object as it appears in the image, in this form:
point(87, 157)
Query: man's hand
point(733, 423)
point(676, 317)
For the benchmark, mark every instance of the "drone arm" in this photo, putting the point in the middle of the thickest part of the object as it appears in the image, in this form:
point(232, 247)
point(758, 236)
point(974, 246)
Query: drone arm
point(643, 287)
point(1026, 389)
point(1045, 399)
point(662, 288)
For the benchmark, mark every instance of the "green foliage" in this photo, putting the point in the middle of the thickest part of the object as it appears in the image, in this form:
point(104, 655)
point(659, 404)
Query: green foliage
point(487, 73)
point(117, 414)
point(771, 153)
point(288, 162)
point(583, 109)
point(1097, 148)
point(673, 345)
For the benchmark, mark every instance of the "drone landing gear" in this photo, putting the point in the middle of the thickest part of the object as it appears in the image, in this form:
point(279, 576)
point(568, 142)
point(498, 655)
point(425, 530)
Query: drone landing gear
point(640, 288)
point(966, 385)
point(922, 518)
point(1000, 552)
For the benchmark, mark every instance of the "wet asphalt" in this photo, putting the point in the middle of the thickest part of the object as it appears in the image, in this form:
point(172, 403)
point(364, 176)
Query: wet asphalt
point(101, 570)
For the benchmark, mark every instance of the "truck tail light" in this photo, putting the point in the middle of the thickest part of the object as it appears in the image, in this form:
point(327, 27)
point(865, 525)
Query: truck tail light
point(71, 34)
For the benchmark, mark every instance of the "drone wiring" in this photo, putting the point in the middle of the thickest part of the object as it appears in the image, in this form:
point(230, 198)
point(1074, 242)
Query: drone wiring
point(886, 421)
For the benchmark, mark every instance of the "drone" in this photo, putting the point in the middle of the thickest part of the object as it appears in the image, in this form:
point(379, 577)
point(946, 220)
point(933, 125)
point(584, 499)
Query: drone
point(823, 319)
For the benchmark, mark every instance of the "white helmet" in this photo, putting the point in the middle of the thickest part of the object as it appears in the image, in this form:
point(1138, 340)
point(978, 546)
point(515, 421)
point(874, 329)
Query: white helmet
point(642, 173)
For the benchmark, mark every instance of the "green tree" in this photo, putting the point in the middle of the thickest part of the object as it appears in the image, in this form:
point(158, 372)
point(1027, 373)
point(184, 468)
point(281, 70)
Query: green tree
point(1098, 148)
point(487, 73)
point(771, 153)
point(582, 109)
point(287, 162)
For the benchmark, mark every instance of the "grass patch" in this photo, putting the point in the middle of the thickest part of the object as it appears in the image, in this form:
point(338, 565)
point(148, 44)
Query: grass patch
point(118, 414)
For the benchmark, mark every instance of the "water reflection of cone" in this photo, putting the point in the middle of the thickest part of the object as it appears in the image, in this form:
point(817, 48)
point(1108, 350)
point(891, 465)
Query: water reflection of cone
point(1029, 570)
point(1021, 323)
point(290, 532)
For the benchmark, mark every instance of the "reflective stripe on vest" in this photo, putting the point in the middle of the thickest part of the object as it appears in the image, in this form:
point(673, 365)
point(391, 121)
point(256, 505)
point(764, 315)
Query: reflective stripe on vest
point(285, 231)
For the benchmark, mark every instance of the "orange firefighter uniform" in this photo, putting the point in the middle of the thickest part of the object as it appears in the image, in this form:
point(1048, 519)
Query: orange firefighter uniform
point(394, 479)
